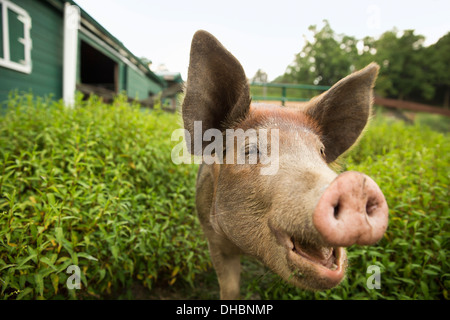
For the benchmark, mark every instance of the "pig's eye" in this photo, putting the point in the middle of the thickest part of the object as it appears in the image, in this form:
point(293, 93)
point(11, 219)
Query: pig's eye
point(322, 151)
point(251, 149)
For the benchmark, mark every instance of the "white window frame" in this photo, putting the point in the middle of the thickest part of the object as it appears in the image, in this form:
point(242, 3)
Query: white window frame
point(25, 65)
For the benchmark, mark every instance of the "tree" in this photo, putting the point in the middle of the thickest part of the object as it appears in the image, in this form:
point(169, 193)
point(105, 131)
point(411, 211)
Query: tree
point(260, 76)
point(408, 70)
point(325, 60)
point(438, 58)
point(403, 72)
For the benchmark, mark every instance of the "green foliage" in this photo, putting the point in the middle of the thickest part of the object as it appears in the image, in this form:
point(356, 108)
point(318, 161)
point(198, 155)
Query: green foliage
point(434, 121)
point(408, 70)
point(411, 166)
point(405, 71)
point(325, 60)
point(95, 187)
point(438, 62)
point(440, 59)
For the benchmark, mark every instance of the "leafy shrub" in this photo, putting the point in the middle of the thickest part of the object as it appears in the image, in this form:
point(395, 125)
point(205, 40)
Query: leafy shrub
point(434, 121)
point(93, 186)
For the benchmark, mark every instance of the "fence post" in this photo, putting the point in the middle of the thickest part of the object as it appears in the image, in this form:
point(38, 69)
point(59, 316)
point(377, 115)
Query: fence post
point(283, 95)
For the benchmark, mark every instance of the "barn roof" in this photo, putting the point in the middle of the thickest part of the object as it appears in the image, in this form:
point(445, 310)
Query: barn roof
point(97, 29)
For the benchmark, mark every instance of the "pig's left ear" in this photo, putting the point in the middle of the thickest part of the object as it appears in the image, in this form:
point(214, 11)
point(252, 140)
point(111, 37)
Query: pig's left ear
point(342, 112)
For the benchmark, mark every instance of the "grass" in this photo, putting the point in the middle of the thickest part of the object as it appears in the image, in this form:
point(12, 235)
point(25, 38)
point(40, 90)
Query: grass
point(434, 121)
point(271, 92)
point(94, 186)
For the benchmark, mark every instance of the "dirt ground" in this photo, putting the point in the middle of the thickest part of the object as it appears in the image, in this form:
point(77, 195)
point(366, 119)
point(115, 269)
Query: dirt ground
point(294, 104)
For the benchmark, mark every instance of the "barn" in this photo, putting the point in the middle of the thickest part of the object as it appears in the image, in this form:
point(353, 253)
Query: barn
point(53, 47)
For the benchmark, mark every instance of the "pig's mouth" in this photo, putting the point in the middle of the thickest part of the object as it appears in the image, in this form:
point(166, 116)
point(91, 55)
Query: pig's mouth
point(323, 267)
point(326, 264)
point(324, 256)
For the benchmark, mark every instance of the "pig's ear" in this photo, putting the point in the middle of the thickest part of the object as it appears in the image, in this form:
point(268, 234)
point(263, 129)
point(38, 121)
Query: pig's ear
point(342, 112)
point(217, 92)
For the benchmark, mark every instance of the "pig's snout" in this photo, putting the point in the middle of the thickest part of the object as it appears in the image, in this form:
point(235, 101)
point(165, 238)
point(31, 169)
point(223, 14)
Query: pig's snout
point(352, 210)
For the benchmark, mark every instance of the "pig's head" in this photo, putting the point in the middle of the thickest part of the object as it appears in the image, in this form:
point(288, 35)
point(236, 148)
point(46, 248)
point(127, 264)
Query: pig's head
point(298, 218)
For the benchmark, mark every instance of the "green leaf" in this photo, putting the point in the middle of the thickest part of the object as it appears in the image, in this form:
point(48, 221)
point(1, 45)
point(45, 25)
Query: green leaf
point(26, 260)
point(406, 280)
point(424, 288)
point(55, 282)
point(8, 266)
point(74, 256)
point(23, 293)
point(86, 256)
point(48, 262)
point(115, 252)
point(102, 275)
point(65, 265)
point(51, 199)
point(59, 235)
point(39, 281)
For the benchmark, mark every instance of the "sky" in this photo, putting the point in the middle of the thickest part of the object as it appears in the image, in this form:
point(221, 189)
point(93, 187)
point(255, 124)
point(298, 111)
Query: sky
point(260, 34)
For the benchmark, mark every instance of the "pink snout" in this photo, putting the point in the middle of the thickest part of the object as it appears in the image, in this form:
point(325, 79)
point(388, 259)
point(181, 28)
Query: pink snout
point(352, 210)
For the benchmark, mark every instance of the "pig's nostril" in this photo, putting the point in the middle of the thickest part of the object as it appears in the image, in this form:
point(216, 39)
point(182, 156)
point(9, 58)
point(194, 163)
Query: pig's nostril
point(371, 207)
point(371, 210)
point(336, 211)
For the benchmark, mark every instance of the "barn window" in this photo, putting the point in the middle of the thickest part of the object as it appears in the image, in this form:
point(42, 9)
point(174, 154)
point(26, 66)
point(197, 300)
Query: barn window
point(15, 41)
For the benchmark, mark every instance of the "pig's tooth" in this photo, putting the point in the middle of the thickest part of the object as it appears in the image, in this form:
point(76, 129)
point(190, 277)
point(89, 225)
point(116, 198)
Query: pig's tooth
point(334, 267)
point(326, 253)
point(291, 243)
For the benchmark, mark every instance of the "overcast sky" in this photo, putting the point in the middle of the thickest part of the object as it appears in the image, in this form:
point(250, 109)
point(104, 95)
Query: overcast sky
point(261, 34)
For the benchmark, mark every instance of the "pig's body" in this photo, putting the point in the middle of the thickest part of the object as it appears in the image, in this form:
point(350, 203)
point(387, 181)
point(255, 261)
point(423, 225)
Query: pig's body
point(297, 218)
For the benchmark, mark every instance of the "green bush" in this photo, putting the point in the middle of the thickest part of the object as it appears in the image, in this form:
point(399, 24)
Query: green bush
point(93, 186)
point(411, 165)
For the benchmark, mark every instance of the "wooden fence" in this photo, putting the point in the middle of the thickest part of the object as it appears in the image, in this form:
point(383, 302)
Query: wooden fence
point(390, 103)
point(412, 106)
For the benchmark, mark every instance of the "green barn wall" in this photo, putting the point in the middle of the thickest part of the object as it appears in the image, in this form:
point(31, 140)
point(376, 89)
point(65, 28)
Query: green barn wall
point(46, 54)
point(123, 75)
point(139, 86)
point(47, 59)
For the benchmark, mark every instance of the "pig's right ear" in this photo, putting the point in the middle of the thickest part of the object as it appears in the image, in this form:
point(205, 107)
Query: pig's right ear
point(217, 92)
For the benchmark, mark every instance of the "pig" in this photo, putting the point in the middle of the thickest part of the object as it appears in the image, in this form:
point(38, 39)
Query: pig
point(298, 219)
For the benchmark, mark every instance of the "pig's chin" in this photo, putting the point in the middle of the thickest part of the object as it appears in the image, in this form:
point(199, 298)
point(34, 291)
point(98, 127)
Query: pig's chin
point(312, 266)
